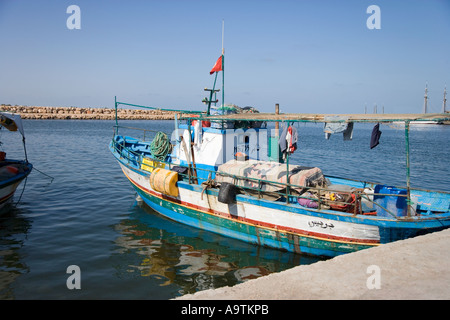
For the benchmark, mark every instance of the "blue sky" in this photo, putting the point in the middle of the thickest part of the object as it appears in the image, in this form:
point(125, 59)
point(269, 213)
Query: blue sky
point(308, 56)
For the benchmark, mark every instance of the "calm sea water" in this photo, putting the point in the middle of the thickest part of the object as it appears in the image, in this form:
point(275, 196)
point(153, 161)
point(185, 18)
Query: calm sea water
point(77, 208)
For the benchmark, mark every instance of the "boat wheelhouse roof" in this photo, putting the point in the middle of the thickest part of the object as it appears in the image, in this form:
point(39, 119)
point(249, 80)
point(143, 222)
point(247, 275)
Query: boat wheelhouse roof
point(313, 117)
point(303, 117)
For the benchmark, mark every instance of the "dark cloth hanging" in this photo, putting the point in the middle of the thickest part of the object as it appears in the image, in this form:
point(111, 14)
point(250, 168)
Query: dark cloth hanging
point(282, 140)
point(375, 138)
point(348, 133)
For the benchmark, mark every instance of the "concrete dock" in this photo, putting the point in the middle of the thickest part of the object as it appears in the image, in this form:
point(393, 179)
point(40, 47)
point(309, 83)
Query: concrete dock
point(413, 269)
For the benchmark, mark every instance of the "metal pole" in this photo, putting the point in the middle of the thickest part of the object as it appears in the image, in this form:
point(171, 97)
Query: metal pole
point(277, 138)
point(177, 138)
point(115, 106)
point(407, 167)
point(444, 102)
point(277, 125)
point(223, 79)
point(223, 65)
point(287, 169)
point(210, 95)
point(188, 146)
point(25, 148)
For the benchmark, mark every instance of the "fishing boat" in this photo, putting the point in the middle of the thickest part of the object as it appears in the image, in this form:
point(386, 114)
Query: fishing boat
point(12, 172)
point(223, 170)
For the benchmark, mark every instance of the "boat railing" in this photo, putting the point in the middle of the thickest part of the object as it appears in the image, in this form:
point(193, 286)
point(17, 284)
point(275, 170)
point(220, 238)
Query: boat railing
point(320, 198)
point(407, 119)
point(147, 134)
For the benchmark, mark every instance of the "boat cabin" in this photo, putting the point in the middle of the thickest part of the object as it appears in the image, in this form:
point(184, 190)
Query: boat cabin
point(213, 146)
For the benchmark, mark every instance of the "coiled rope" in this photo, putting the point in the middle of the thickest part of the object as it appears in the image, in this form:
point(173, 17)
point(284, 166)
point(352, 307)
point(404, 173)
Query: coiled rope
point(160, 146)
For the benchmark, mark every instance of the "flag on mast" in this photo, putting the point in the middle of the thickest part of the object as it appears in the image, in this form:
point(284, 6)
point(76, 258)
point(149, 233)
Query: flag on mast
point(218, 66)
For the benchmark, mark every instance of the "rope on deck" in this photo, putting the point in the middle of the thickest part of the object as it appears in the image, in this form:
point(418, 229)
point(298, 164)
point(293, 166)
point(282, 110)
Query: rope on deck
point(160, 146)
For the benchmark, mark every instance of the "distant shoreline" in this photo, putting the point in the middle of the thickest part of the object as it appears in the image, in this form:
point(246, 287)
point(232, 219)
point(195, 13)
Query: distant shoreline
point(75, 113)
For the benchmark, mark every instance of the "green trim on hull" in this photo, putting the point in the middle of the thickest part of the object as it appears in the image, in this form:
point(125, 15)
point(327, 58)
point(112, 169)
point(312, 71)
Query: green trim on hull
point(247, 232)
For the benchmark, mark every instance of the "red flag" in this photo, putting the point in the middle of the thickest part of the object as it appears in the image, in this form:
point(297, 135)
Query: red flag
point(217, 67)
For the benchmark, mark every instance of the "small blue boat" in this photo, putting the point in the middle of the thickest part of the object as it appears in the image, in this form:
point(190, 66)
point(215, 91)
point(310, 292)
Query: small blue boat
point(12, 172)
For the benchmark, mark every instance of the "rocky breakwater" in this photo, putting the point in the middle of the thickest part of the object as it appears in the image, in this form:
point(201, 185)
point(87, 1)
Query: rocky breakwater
point(75, 113)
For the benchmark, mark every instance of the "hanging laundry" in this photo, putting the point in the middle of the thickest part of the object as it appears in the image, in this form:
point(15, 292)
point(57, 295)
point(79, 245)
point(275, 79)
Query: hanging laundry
point(288, 139)
point(282, 141)
point(292, 139)
point(348, 133)
point(375, 138)
point(337, 127)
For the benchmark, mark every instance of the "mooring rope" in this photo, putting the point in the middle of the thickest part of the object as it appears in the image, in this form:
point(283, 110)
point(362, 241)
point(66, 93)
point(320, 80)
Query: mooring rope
point(48, 176)
point(25, 184)
point(23, 189)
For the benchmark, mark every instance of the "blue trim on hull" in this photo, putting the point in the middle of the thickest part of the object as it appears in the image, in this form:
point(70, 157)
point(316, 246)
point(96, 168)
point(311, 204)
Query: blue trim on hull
point(246, 237)
point(399, 228)
point(390, 230)
point(18, 177)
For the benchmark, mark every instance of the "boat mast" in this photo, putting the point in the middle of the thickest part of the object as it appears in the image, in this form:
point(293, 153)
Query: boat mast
point(425, 103)
point(223, 65)
point(444, 103)
point(213, 91)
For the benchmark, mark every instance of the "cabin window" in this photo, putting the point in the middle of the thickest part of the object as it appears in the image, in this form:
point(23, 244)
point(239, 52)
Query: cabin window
point(242, 147)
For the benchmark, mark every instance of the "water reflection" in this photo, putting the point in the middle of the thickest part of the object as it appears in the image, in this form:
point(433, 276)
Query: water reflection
point(191, 259)
point(13, 232)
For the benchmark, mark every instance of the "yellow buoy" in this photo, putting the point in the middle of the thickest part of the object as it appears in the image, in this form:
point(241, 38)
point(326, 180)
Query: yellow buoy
point(164, 181)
